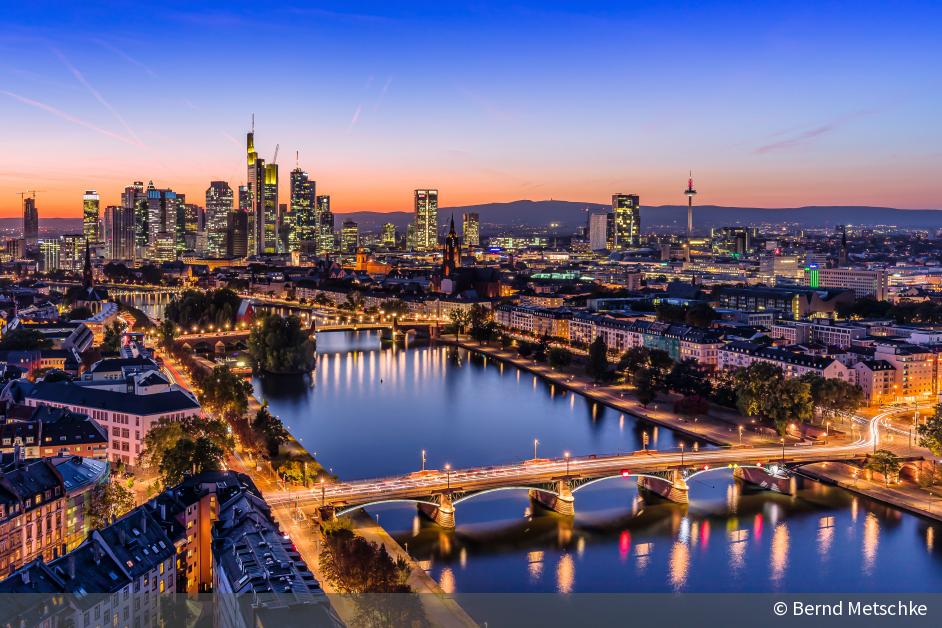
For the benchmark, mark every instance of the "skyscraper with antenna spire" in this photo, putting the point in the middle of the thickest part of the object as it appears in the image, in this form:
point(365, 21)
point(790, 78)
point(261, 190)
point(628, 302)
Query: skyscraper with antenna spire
point(690, 192)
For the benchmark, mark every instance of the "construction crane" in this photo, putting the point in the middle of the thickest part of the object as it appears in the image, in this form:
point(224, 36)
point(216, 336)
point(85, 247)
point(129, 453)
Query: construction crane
point(23, 194)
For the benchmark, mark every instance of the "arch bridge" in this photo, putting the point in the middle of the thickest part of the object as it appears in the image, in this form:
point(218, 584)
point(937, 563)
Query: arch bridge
point(553, 483)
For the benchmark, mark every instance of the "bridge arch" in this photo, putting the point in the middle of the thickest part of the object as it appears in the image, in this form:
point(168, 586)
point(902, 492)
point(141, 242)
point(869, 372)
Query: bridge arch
point(619, 475)
point(725, 468)
point(404, 500)
point(540, 489)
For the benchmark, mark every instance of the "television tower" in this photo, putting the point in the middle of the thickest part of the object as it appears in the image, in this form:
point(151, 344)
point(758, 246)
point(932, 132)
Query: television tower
point(690, 192)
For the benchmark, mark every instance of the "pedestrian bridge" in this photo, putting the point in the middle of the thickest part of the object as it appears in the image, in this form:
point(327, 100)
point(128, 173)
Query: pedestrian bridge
point(554, 483)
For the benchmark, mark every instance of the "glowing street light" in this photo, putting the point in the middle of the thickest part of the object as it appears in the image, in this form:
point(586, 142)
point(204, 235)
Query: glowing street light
point(448, 477)
point(423, 460)
point(566, 456)
point(536, 442)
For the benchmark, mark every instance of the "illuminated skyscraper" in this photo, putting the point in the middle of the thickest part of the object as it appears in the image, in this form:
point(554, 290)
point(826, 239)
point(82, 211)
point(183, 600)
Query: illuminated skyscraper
point(238, 227)
point(349, 236)
point(91, 216)
point(325, 238)
point(269, 231)
point(598, 231)
point(135, 198)
point(471, 229)
point(304, 212)
point(72, 251)
point(30, 221)
point(426, 220)
point(218, 207)
point(121, 232)
point(163, 216)
point(627, 218)
point(389, 235)
point(50, 249)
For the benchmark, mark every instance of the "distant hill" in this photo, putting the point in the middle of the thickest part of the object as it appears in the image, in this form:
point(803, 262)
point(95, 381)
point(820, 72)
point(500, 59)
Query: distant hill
point(571, 215)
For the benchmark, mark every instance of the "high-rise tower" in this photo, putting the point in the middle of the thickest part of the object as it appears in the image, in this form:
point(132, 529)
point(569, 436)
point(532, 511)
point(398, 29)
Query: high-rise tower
point(219, 199)
point(690, 192)
point(90, 216)
point(626, 214)
point(304, 212)
point(30, 221)
point(426, 220)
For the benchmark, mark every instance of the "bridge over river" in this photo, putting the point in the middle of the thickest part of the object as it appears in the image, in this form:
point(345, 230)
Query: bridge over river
point(554, 482)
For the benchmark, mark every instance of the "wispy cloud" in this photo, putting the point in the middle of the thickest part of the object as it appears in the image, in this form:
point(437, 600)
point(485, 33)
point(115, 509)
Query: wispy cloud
point(807, 136)
point(69, 117)
point(340, 15)
point(97, 95)
point(356, 117)
point(382, 94)
point(125, 56)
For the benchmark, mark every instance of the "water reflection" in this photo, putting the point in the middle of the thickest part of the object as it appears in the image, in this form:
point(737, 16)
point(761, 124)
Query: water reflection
point(371, 413)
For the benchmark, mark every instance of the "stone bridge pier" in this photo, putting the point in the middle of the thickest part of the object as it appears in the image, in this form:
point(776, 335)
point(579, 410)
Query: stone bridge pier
point(443, 513)
point(563, 502)
point(670, 485)
point(759, 476)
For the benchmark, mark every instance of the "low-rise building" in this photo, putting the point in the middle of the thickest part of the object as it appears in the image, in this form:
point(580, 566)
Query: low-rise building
point(736, 355)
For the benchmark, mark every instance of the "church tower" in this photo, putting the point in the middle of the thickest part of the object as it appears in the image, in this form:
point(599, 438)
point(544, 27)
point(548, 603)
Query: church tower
point(451, 256)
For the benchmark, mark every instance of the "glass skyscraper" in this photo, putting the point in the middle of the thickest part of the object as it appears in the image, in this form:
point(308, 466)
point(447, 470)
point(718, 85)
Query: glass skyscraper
point(626, 212)
point(218, 207)
point(426, 220)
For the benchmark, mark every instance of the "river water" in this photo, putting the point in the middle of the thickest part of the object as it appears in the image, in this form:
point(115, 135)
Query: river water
point(370, 411)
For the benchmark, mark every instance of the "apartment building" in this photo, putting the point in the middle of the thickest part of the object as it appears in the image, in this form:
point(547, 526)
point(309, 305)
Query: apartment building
point(735, 355)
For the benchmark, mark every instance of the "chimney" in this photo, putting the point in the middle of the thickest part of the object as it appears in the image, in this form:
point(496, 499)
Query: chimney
point(143, 521)
point(70, 566)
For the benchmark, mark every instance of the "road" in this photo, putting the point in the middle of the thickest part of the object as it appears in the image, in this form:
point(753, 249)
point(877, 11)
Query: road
point(422, 484)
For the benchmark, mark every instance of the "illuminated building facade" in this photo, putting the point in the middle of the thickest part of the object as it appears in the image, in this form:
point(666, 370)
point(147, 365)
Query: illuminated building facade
point(91, 216)
point(30, 221)
point(303, 210)
point(349, 236)
point(471, 229)
point(218, 207)
point(325, 237)
point(426, 220)
point(626, 211)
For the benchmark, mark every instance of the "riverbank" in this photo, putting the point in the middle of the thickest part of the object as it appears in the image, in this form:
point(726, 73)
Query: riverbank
point(909, 498)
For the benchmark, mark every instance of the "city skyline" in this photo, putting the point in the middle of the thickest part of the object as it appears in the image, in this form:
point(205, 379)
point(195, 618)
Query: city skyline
point(781, 107)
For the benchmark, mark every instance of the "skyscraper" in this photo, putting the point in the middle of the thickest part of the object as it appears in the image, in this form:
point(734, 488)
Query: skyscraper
point(122, 236)
point(263, 199)
point(471, 229)
point(245, 206)
point(389, 235)
point(598, 232)
point(325, 239)
point(426, 220)
point(50, 249)
point(237, 244)
point(163, 216)
point(135, 198)
point(90, 216)
point(270, 210)
point(303, 209)
point(30, 221)
point(72, 251)
point(349, 236)
point(627, 218)
point(218, 207)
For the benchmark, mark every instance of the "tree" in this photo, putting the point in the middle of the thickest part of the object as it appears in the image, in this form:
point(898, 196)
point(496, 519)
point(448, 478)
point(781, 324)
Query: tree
point(356, 565)
point(459, 320)
point(279, 345)
point(525, 349)
point(541, 348)
point(225, 392)
point(80, 313)
point(688, 378)
point(191, 445)
point(700, 315)
point(23, 339)
point(930, 433)
point(670, 313)
point(506, 341)
point(762, 391)
point(190, 455)
point(597, 363)
point(109, 500)
point(200, 308)
point(884, 461)
point(112, 337)
point(647, 385)
point(56, 375)
point(559, 357)
point(270, 429)
point(167, 332)
point(634, 359)
point(483, 326)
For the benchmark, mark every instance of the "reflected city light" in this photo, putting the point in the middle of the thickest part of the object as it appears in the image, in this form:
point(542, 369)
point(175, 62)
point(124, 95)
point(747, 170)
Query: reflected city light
point(447, 580)
point(871, 540)
point(535, 565)
point(679, 565)
point(779, 558)
point(565, 574)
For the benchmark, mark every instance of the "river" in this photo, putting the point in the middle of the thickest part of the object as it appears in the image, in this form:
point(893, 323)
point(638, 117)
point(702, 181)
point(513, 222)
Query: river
point(370, 411)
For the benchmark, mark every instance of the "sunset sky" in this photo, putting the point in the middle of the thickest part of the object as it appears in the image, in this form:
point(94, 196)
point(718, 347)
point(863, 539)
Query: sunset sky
point(769, 103)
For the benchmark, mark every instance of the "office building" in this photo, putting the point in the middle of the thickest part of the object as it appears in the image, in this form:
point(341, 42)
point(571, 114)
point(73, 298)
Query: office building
point(626, 211)
point(162, 212)
point(304, 212)
point(30, 221)
point(598, 231)
point(262, 199)
point(121, 238)
point(218, 207)
point(72, 251)
point(389, 235)
point(471, 229)
point(90, 216)
point(134, 198)
point(50, 250)
point(864, 283)
point(426, 220)
point(349, 237)
point(325, 239)
point(237, 244)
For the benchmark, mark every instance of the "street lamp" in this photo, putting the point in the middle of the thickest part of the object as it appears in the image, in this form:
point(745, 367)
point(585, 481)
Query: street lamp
point(783, 451)
point(682, 454)
point(566, 456)
point(423, 460)
point(827, 432)
point(536, 442)
point(323, 494)
point(740, 434)
point(448, 477)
